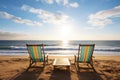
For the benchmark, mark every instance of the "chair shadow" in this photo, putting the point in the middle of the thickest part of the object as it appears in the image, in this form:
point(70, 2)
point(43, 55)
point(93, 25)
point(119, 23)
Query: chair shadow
point(60, 74)
point(87, 74)
point(31, 74)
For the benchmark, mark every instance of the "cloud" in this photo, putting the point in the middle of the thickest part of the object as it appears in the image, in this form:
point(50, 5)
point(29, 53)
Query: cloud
point(19, 19)
point(74, 5)
point(57, 1)
point(65, 3)
point(49, 1)
point(47, 17)
point(4, 35)
point(37, 0)
point(103, 18)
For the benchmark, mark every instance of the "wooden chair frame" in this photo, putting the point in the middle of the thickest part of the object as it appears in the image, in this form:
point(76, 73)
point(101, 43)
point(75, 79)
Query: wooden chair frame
point(45, 56)
point(78, 56)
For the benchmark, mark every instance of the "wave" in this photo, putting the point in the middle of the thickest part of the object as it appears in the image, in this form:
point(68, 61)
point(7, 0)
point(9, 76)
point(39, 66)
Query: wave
point(58, 48)
point(12, 48)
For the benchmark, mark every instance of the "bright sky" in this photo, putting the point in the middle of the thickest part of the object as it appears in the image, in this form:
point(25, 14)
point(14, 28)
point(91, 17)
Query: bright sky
point(59, 19)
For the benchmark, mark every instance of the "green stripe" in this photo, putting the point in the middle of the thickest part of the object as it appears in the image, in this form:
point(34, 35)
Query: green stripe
point(82, 54)
point(40, 53)
point(32, 53)
point(89, 54)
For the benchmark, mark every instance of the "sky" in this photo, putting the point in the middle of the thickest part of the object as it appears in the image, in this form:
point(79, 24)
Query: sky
point(60, 20)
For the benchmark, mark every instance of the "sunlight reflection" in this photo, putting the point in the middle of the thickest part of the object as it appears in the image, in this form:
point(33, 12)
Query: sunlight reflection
point(65, 43)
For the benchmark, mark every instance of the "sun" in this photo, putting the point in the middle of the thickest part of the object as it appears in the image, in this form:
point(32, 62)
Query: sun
point(66, 33)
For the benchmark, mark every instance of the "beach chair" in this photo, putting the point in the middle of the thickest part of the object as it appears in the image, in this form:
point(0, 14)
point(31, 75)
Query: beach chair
point(36, 53)
point(85, 52)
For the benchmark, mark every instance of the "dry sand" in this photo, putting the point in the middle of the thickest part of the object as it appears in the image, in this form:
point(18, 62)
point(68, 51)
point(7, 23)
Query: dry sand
point(14, 68)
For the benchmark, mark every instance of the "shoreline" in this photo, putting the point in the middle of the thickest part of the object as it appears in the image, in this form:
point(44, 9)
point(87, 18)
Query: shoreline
point(116, 58)
point(63, 54)
point(66, 54)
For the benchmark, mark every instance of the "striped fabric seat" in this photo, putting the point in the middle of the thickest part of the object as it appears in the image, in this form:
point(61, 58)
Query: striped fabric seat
point(36, 53)
point(85, 52)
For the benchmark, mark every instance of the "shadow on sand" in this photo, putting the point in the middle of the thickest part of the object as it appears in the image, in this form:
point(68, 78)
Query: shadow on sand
point(49, 73)
point(87, 73)
point(88, 76)
point(103, 72)
point(31, 74)
point(60, 74)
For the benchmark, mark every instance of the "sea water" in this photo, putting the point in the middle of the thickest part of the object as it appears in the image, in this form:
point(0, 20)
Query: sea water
point(56, 47)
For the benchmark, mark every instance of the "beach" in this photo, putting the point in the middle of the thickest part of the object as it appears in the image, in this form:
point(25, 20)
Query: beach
point(14, 68)
point(79, 39)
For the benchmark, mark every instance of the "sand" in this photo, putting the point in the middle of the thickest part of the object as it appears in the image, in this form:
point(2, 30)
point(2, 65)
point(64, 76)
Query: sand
point(14, 68)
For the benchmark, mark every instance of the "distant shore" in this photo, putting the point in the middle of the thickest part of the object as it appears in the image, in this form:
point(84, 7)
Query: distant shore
point(13, 67)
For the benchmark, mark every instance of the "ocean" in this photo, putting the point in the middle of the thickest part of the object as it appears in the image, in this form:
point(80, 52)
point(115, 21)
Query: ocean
point(56, 47)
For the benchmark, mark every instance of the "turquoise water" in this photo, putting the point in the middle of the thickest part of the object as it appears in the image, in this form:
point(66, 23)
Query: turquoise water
point(54, 47)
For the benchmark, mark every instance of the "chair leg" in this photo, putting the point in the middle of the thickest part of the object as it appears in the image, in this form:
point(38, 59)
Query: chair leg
point(88, 65)
point(74, 59)
point(31, 62)
point(78, 66)
point(92, 66)
point(44, 63)
point(47, 59)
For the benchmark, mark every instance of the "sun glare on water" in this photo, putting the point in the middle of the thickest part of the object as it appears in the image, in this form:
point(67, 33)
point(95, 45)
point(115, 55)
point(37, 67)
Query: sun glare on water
point(65, 43)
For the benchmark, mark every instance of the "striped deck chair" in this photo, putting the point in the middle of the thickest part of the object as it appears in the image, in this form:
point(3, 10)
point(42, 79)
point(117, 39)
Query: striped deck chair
point(85, 52)
point(36, 53)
